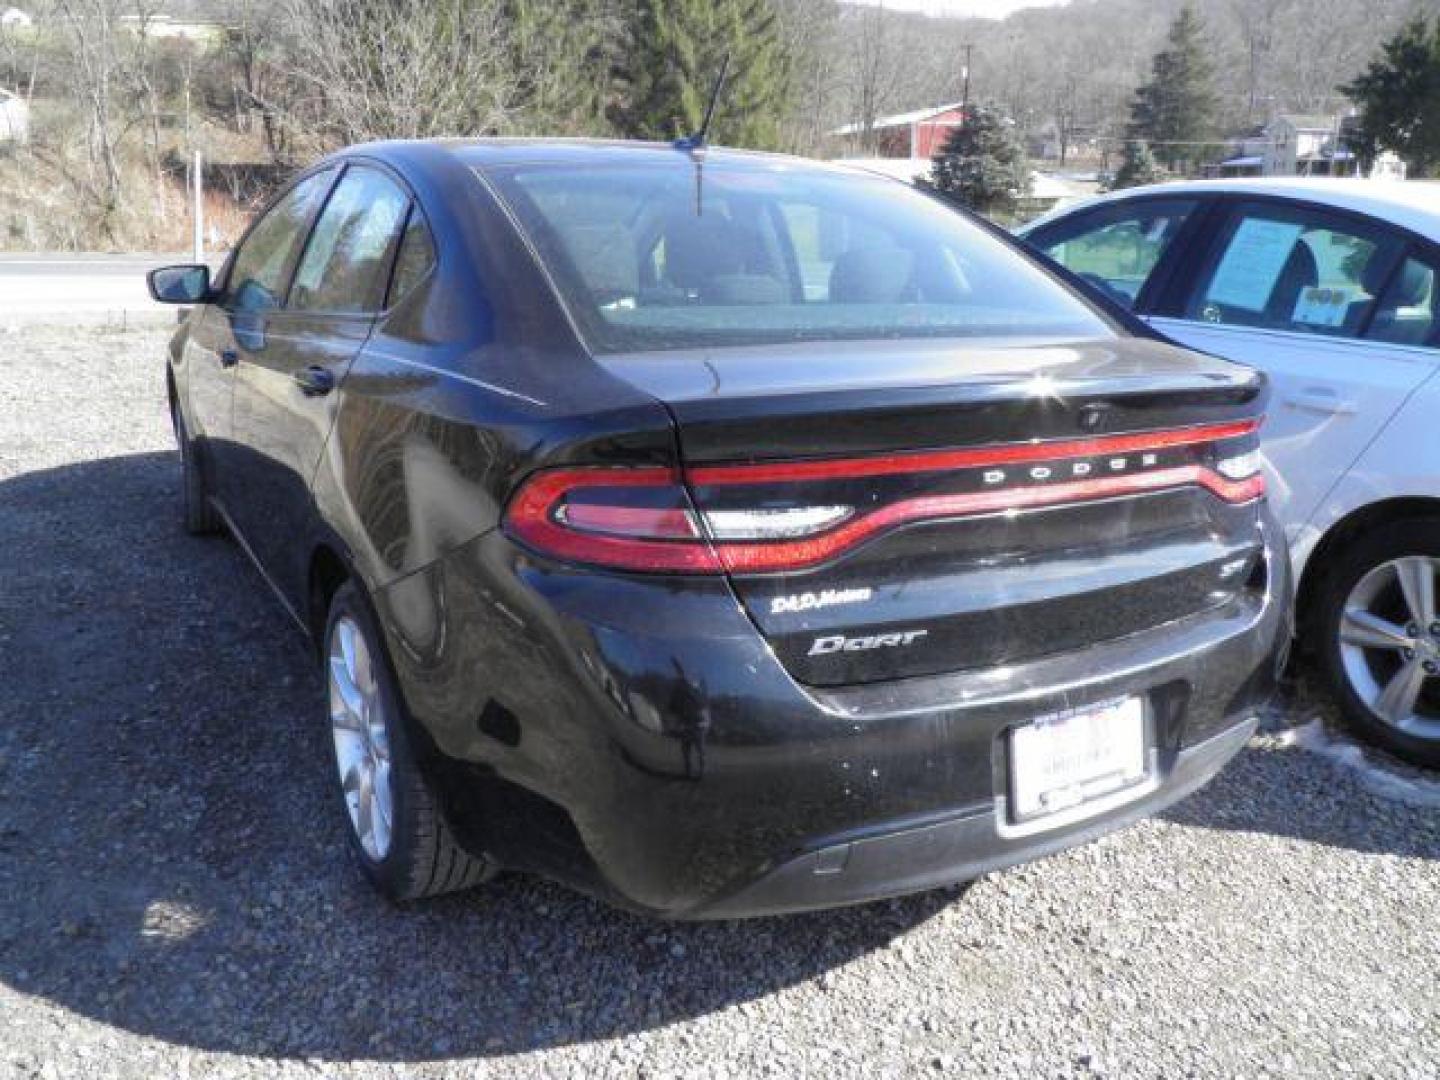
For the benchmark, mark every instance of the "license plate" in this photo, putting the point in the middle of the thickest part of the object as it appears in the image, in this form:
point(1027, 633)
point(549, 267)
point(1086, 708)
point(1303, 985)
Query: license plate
point(1063, 760)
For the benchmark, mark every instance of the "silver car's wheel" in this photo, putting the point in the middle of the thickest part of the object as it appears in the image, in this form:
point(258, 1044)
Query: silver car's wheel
point(360, 726)
point(1390, 644)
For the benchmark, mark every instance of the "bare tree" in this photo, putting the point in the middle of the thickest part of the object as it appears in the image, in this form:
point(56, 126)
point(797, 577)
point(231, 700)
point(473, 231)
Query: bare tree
point(259, 86)
point(93, 31)
point(875, 68)
point(400, 69)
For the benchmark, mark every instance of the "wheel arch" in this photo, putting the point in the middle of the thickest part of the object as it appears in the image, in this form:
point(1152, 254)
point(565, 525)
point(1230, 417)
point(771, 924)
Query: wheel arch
point(1344, 531)
point(328, 571)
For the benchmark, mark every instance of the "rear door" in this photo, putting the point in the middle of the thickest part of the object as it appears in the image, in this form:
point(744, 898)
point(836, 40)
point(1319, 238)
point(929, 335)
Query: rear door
point(284, 400)
point(1315, 298)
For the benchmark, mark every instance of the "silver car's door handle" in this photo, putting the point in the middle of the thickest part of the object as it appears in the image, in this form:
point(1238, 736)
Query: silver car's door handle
point(1320, 399)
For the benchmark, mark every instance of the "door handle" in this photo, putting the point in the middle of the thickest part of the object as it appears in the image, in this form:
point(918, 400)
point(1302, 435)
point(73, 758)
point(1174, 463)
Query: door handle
point(1320, 399)
point(315, 380)
point(229, 357)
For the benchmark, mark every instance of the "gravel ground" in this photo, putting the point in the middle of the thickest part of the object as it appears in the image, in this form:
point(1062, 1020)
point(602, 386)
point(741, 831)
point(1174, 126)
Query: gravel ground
point(175, 898)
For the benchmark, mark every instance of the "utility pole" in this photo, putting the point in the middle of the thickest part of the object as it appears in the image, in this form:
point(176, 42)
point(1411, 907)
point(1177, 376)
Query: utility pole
point(197, 207)
point(965, 87)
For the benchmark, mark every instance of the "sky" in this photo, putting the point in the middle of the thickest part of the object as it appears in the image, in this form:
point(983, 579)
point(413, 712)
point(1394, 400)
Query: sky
point(992, 9)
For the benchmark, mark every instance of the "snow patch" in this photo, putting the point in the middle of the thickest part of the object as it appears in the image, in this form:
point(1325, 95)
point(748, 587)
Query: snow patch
point(1378, 779)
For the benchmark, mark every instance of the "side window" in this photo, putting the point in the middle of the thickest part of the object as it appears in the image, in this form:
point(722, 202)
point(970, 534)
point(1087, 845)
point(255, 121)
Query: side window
point(1407, 311)
point(1296, 269)
point(414, 259)
point(257, 274)
point(345, 262)
point(1116, 248)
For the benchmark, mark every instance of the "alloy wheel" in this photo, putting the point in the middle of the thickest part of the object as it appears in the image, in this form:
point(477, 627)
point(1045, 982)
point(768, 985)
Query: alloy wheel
point(359, 724)
point(1390, 644)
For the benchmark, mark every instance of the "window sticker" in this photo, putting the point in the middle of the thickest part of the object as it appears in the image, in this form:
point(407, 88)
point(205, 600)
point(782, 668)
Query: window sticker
point(1257, 253)
point(1320, 306)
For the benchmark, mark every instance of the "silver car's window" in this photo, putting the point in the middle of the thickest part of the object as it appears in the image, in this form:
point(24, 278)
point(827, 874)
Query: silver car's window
point(1407, 311)
point(1294, 268)
point(1116, 248)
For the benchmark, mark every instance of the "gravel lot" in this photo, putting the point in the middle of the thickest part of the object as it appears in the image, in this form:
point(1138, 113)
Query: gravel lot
point(175, 898)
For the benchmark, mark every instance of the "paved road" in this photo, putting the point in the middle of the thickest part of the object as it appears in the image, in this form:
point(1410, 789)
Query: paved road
point(89, 287)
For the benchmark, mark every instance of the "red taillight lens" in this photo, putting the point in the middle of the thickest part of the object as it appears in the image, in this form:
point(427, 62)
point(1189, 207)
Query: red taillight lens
point(629, 519)
point(772, 517)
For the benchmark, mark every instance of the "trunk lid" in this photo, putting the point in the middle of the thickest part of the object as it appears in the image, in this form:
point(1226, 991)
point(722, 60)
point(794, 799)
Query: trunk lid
point(888, 510)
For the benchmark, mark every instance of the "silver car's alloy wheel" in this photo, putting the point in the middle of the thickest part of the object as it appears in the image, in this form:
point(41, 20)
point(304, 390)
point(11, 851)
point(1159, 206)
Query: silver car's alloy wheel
point(359, 725)
point(1390, 644)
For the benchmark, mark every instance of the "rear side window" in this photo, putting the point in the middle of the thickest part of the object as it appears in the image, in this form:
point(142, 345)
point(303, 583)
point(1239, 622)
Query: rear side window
point(414, 260)
point(345, 262)
point(660, 256)
point(1116, 248)
point(1297, 269)
point(1407, 311)
point(258, 272)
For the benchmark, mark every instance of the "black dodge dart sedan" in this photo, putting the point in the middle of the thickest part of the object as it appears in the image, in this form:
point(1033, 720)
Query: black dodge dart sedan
point(720, 533)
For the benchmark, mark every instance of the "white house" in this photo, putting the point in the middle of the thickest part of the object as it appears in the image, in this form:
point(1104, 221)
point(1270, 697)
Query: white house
point(1293, 145)
point(14, 118)
point(12, 18)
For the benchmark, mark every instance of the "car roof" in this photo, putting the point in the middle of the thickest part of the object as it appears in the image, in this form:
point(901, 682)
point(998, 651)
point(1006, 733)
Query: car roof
point(1410, 204)
point(484, 153)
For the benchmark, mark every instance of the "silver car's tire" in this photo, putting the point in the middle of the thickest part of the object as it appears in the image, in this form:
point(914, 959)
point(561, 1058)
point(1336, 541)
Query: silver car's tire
point(395, 825)
point(1377, 637)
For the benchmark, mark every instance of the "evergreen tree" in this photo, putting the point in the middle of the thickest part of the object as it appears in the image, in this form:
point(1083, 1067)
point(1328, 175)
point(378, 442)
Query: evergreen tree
point(1137, 167)
point(1399, 99)
point(670, 55)
point(559, 52)
point(1176, 109)
point(982, 163)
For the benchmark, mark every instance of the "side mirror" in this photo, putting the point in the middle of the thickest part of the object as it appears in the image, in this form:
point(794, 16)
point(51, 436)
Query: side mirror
point(180, 284)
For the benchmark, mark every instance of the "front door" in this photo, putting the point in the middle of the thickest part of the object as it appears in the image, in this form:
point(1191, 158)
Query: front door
point(285, 396)
point(250, 296)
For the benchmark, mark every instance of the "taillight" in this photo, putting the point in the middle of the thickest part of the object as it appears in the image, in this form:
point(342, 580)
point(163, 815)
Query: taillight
point(630, 519)
point(769, 517)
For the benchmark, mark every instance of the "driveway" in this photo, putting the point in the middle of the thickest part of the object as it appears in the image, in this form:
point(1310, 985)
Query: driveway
point(175, 897)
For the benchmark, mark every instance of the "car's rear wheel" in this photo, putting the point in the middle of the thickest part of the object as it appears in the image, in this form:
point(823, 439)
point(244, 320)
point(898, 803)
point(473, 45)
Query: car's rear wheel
point(199, 515)
point(397, 829)
point(1378, 631)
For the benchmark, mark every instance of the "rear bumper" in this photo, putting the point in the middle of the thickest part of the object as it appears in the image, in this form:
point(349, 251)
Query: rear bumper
point(960, 847)
point(642, 742)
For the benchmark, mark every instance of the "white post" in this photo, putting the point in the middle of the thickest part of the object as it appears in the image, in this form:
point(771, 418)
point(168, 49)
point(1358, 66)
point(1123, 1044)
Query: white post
point(197, 209)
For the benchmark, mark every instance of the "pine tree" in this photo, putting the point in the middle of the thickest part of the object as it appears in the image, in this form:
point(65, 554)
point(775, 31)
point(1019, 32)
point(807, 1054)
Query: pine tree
point(982, 163)
point(1137, 167)
point(670, 55)
point(560, 57)
point(1399, 99)
point(1176, 109)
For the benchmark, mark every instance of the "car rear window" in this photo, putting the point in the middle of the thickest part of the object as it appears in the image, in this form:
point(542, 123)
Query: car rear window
point(682, 256)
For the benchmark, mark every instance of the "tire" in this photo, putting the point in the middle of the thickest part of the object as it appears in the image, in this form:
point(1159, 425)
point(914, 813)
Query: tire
point(1377, 644)
point(416, 853)
point(196, 510)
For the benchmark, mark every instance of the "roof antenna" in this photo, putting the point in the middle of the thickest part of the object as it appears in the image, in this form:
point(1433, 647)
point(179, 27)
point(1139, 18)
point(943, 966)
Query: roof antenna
point(696, 139)
point(694, 144)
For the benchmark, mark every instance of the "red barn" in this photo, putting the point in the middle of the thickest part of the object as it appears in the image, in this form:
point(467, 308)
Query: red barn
point(917, 134)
